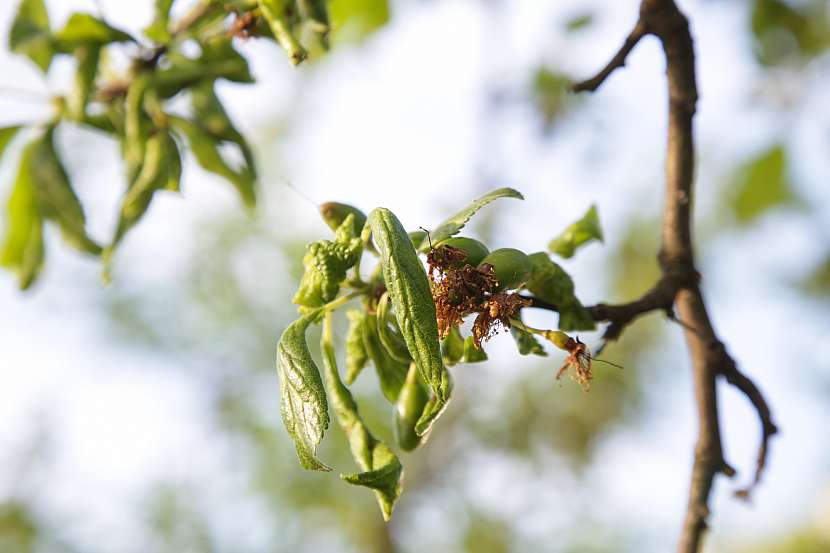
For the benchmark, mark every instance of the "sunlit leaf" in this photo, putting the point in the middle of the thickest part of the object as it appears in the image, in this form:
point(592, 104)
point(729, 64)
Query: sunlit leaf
point(158, 30)
point(407, 284)
point(303, 399)
point(30, 34)
point(454, 224)
point(83, 29)
point(22, 250)
point(354, 20)
point(578, 234)
point(6, 136)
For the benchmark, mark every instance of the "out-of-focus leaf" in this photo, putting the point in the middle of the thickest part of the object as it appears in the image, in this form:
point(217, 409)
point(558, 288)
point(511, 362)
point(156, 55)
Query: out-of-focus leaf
point(23, 237)
point(354, 20)
point(408, 286)
point(56, 198)
point(550, 282)
point(383, 471)
point(411, 402)
point(818, 281)
point(551, 95)
point(789, 31)
point(762, 184)
point(6, 136)
point(579, 22)
point(454, 224)
point(161, 170)
point(87, 58)
point(30, 34)
point(274, 13)
point(83, 29)
point(18, 529)
point(577, 234)
point(303, 399)
point(218, 60)
point(326, 263)
point(211, 115)
point(158, 30)
point(205, 148)
point(527, 343)
point(472, 354)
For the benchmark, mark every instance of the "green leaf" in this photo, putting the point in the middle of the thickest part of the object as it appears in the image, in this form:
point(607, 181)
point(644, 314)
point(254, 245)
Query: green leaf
point(435, 407)
point(302, 397)
point(577, 234)
point(472, 354)
point(391, 372)
point(83, 29)
point(579, 22)
point(326, 263)
point(218, 60)
point(452, 347)
point(411, 402)
point(391, 339)
point(762, 184)
point(356, 356)
point(790, 31)
point(550, 283)
point(527, 343)
point(334, 213)
point(383, 471)
point(158, 30)
point(6, 136)
point(22, 250)
point(407, 284)
point(817, 283)
point(30, 34)
point(354, 20)
point(56, 198)
point(211, 115)
point(454, 224)
point(87, 59)
point(552, 96)
point(274, 12)
point(161, 170)
point(205, 148)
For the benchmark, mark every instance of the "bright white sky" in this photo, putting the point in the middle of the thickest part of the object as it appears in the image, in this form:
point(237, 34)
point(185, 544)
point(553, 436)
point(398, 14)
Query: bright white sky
point(399, 123)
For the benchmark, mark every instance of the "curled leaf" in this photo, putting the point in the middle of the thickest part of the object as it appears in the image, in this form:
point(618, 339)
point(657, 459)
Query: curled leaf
point(434, 408)
point(391, 339)
point(408, 287)
point(383, 471)
point(391, 372)
point(302, 397)
point(577, 234)
point(326, 263)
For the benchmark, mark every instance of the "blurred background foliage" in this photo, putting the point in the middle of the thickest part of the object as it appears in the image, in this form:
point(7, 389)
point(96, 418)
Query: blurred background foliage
point(217, 315)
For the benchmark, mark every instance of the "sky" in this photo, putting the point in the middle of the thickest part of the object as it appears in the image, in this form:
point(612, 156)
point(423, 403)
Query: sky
point(403, 122)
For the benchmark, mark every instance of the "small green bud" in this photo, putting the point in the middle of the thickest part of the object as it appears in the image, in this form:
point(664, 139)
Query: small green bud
point(335, 213)
point(513, 267)
point(475, 250)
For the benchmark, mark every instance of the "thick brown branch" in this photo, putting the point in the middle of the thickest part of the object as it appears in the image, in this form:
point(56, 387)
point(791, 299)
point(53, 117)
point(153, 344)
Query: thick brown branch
point(679, 285)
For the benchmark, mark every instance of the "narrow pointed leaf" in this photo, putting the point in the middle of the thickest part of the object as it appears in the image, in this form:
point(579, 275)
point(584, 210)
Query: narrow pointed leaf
point(303, 399)
point(22, 245)
point(6, 136)
point(83, 29)
point(383, 471)
point(391, 339)
point(454, 224)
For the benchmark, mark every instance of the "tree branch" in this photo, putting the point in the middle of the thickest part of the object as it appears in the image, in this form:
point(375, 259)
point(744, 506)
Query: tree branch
point(679, 285)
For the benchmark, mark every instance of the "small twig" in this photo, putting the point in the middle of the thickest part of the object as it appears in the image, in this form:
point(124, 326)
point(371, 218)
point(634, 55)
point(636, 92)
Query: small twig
point(590, 85)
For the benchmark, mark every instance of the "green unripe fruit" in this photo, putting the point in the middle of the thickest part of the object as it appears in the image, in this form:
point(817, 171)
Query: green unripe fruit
point(512, 267)
point(335, 213)
point(475, 250)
